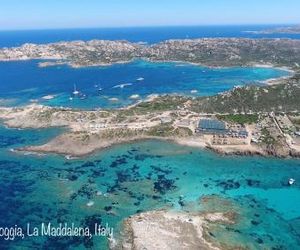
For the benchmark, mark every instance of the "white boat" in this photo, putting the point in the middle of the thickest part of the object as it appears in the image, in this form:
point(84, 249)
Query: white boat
point(90, 203)
point(75, 92)
point(134, 97)
point(140, 79)
point(82, 97)
point(121, 86)
point(291, 181)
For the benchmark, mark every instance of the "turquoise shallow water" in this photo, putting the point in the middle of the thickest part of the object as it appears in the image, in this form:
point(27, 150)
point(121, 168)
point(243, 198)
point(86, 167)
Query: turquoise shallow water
point(145, 176)
point(22, 82)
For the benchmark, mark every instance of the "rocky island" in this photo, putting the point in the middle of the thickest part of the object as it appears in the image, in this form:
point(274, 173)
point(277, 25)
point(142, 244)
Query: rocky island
point(280, 30)
point(215, 52)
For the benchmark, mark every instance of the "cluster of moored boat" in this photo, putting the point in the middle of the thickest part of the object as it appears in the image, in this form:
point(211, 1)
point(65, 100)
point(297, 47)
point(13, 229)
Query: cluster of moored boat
point(77, 94)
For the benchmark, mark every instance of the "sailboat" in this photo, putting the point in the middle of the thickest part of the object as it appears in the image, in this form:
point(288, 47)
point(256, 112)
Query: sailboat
point(75, 92)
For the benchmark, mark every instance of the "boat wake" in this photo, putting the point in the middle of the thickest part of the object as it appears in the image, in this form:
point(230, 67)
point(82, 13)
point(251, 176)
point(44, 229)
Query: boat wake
point(121, 86)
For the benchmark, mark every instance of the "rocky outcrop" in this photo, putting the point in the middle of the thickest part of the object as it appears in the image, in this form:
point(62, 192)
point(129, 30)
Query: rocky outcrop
point(163, 230)
point(279, 152)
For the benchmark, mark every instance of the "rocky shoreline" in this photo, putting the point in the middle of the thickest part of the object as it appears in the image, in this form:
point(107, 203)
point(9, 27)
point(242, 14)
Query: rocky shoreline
point(193, 229)
point(83, 138)
point(170, 230)
point(66, 145)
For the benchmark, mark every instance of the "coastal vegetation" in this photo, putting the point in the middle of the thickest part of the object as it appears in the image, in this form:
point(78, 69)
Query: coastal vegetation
point(167, 130)
point(239, 118)
point(162, 103)
point(296, 121)
point(254, 99)
point(268, 139)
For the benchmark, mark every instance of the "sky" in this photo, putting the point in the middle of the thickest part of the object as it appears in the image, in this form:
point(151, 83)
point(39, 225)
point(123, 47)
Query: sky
point(48, 14)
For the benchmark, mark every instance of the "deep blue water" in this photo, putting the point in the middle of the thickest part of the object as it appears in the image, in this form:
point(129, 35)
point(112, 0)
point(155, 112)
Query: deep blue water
point(149, 34)
point(23, 81)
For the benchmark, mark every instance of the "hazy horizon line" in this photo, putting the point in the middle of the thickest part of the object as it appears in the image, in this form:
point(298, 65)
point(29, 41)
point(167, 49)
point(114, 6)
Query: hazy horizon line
point(148, 26)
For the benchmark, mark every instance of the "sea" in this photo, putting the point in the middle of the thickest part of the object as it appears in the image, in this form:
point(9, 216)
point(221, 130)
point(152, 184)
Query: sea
point(113, 184)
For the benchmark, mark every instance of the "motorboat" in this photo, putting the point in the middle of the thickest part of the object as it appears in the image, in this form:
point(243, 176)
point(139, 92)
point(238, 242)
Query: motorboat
point(291, 181)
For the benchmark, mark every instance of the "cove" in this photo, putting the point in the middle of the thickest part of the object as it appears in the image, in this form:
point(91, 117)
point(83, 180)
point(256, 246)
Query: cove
point(23, 82)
